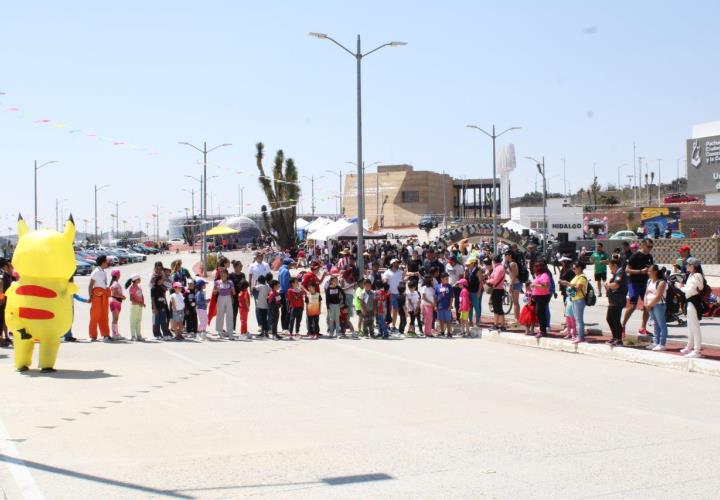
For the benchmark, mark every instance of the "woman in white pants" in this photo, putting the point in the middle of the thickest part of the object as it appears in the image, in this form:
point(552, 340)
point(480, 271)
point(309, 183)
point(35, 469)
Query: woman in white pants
point(693, 290)
point(224, 290)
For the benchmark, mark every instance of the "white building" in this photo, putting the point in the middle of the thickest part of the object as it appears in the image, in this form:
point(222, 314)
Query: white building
point(562, 221)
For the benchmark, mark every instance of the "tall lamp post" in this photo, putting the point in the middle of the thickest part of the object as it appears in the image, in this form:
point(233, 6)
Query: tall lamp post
point(377, 185)
point(494, 136)
point(192, 204)
point(358, 55)
point(38, 167)
point(339, 174)
point(312, 190)
point(117, 215)
point(541, 170)
point(96, 219)
point(203, 197)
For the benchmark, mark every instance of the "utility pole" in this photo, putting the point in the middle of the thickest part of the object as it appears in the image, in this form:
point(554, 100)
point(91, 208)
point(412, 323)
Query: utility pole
point(564, 178)
point(634, 184)
point(240, 199)
point(659, 160)
point(640, 177)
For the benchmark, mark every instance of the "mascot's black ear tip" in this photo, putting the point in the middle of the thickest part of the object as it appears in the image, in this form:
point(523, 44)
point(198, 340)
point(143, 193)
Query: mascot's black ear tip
point(71, 219)
point(20, 217)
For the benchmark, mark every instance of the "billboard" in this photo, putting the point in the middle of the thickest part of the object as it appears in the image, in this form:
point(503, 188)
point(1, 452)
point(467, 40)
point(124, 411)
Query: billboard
point(662, 216)
point(703, 165)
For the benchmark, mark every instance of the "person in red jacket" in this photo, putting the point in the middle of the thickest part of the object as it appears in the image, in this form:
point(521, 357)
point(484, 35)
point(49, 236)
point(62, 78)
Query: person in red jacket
point(296, 304)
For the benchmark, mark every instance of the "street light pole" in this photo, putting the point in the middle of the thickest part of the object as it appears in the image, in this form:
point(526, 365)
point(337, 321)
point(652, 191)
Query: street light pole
point(192, 203)
point(96, 211)
point(358, 55)
point(35, 222)
point(312, 191)
point(494, 136)
point(541, 170)
point(203, 196)
point(340, 191)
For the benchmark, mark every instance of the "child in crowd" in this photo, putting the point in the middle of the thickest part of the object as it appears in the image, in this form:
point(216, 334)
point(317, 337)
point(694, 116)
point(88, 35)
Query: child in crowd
point(402, 310)
point(427, 294)
point(367, 301)
point(464, 307)
point(191, 319)
point(444, 296)
point(334, 298)
point(313, 300)
point(137, 304)
point(570, 323)
point(244, 309)
point(261, 305)
point(295, 300)
point(528, 317)
point(160, 309)
point(116, 298)
point(380, 308)
point(357, 303)
point(345, 324)
point(274, 303)
point(412, 305)
point(177, 308)
point(201, 305)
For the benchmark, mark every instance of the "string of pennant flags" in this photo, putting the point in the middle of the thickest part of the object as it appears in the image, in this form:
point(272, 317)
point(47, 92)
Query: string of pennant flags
point(61, 126)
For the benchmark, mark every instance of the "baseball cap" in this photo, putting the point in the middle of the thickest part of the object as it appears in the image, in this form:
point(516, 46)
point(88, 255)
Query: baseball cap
point(693, 261)
point(394, 261)
point(177, 284)
point(684, 248)
point(288, 262)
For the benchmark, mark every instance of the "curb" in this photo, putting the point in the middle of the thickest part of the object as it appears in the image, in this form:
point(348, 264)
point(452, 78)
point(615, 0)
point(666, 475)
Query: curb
point(702, 366)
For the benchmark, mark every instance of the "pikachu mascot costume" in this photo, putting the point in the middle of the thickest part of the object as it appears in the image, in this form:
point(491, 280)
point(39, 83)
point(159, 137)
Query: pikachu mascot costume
point(39, 305)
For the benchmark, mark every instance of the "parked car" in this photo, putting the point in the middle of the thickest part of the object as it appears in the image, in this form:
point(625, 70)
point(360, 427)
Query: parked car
point(680, 198)
point(428, 222)
point(624, 235)
point(176, 241)
point(82, 268)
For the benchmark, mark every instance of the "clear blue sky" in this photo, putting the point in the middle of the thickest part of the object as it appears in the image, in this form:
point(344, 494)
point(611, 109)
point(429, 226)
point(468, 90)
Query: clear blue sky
point(583, 79)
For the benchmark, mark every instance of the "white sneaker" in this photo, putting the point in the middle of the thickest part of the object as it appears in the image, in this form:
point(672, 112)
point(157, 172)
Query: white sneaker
point(658, 348)
point(693, 354)
point(651, 347)
point(685, 350)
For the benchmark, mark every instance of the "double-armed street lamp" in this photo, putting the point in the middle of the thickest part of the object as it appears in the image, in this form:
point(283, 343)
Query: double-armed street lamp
point(203, 196)
point(494, 136)
point(358, 55)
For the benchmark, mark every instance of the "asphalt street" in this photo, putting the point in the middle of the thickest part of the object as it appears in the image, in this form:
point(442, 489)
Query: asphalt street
point(405, 418)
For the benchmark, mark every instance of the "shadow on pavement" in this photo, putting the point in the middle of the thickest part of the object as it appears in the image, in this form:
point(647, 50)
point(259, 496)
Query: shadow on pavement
point(330, 481)
point(89, 477)
point(70, 374)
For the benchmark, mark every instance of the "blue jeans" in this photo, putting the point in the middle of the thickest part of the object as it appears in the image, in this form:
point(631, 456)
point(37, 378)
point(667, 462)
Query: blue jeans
point(475, 307)
point(381, 326)
point(660, 330)
point(579, 310)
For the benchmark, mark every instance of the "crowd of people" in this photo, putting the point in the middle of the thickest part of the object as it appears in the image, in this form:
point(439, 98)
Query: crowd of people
point(404, 289)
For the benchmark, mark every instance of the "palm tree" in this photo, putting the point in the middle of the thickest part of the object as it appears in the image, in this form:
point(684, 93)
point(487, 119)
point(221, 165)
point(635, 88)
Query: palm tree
point(282, 192)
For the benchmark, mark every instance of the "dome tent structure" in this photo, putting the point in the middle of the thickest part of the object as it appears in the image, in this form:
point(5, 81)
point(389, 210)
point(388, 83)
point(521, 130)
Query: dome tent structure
point(245, 229)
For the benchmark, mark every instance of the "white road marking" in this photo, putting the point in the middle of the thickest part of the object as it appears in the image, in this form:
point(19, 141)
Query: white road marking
point(24, 480)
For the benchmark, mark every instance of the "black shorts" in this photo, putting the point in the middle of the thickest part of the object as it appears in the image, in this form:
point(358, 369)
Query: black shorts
point(496, 299)
point(601, 276)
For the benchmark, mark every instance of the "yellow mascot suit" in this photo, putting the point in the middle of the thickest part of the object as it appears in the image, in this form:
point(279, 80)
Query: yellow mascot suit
point(39, 305)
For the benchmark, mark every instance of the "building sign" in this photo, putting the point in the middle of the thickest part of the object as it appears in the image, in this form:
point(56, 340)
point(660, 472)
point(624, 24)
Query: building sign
point(560, 226)
point(703, 165)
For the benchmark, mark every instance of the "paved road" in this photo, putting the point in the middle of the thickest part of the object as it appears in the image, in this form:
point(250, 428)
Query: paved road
point(406, 418)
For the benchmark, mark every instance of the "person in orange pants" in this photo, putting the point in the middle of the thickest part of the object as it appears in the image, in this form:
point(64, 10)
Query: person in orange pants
point(99, 294)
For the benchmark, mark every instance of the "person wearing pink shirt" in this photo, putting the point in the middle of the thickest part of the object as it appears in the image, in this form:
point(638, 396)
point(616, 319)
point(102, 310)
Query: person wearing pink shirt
point(541, 295)
point(497, 282)
point(464, 306)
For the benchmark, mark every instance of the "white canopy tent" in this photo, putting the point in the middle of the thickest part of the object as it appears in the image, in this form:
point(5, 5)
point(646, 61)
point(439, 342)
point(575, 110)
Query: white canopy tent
point(329, 231)
point(317, 224)
point(518, 228)
point(301, 223)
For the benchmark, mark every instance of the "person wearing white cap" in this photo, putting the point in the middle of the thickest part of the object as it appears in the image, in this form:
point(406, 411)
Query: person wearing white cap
point(393, 277)
point(137, 304)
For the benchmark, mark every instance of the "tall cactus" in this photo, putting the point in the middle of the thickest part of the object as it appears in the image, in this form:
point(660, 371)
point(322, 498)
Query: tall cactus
point(282, 192)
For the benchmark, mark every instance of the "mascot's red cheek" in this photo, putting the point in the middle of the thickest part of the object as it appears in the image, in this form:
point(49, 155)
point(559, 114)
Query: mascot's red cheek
point(30, 313)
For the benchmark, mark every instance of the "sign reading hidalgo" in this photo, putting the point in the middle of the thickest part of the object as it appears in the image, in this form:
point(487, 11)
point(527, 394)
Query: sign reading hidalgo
point(703, 165)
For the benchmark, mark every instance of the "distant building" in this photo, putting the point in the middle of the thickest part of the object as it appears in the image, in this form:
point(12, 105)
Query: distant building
point(398, 195)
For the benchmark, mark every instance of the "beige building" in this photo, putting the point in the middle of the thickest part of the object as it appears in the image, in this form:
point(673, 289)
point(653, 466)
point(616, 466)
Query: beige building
point(398, 195)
